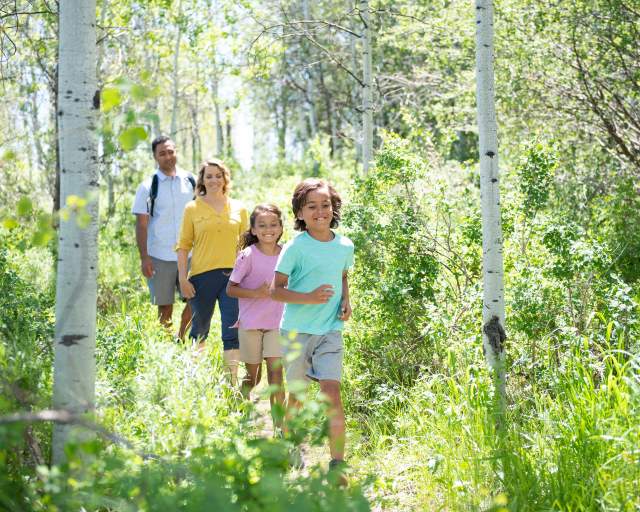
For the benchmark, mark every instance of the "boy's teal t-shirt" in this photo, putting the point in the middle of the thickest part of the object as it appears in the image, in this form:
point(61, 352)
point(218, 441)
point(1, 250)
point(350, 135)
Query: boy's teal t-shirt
point(310, 263)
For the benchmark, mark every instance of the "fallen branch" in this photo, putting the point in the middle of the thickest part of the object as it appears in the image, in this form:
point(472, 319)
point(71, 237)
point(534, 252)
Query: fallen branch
point(70, 418)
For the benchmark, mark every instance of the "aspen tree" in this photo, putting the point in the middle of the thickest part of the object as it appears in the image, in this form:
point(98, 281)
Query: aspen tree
point(492, 267)
point(76, 289)
point(367, 103)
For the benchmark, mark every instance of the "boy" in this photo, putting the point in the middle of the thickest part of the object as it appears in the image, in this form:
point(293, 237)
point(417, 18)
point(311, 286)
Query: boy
point(311, 278)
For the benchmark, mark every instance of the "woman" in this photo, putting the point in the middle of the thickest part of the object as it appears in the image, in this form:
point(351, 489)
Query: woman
point(211, 228)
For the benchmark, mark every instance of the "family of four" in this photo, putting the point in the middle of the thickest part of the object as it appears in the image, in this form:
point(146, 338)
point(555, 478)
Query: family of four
point(277, 303)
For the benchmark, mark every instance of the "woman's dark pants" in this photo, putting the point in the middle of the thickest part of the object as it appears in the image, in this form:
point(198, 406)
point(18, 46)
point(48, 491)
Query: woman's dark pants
point(211, 286)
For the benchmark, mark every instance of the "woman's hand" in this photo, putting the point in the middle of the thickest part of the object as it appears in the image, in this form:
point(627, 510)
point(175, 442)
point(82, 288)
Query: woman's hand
point(321, 294)
point(186, 289)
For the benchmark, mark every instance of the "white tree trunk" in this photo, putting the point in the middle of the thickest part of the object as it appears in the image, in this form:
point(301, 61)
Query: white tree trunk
point(176, 74)
point(367, 89)
point(310, 92)
point(75, 333)
point(492, 268)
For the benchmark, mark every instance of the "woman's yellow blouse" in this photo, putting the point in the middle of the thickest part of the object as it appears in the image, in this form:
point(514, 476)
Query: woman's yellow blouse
point(212, 237)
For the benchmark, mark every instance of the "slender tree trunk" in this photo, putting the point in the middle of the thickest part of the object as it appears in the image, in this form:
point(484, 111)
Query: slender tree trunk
point(355, 119)
point(367, 103)
point(328, 105)
point(176, 73)
point(310, 92)
point(56, 132)
point(493, 297)
point(218, 118)
point(76, 290)
point(227, 140)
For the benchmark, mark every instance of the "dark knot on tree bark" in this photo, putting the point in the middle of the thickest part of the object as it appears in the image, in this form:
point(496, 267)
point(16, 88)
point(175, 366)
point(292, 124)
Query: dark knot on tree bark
point(495, 333)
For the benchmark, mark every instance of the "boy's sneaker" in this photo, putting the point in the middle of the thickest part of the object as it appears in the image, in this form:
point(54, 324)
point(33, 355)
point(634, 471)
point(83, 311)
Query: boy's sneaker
point(338, 472)
point(296, 461)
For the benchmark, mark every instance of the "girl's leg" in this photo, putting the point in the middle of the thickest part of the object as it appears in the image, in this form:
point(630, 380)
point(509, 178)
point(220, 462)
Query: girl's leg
point(331, 388)
point(274, 376)
point(251, 378)
point(202, 305)
point(228, 316)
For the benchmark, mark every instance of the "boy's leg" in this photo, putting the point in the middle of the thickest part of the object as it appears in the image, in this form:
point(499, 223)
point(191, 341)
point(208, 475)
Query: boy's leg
point(331, 388)
point(296, 355)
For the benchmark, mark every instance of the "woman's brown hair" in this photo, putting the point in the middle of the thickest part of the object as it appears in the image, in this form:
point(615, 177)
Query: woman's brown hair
point(300, 198)
point(213, 162)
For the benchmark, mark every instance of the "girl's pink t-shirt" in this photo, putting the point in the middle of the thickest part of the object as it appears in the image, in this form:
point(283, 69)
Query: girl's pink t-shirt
point(252, 269)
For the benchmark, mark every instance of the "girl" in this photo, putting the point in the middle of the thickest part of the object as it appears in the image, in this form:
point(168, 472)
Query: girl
point(259, 318)
point(211, 229)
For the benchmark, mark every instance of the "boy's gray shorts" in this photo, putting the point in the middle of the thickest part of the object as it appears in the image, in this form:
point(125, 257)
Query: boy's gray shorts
point(164, 282)
point(313, 356)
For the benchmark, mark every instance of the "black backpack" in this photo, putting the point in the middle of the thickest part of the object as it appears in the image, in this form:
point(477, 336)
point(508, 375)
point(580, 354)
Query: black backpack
point(153, 193)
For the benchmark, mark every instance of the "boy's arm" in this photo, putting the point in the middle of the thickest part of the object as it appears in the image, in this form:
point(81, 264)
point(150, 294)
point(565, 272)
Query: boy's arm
point(345, 305)
point(281, 293)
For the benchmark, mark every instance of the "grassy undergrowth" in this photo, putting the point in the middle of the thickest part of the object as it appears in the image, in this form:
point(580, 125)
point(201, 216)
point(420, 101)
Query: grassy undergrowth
point(422, 433)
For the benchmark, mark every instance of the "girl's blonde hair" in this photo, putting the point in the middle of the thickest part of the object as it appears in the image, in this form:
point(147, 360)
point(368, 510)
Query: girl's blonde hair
point(213, 162)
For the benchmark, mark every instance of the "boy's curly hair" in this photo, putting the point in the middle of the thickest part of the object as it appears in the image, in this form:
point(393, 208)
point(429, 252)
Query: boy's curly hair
point(300, 199)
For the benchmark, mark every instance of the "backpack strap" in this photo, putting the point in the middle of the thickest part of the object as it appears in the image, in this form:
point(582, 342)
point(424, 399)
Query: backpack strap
point(153, 192)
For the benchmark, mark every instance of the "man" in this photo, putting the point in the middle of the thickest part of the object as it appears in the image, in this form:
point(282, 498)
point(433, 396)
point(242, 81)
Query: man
point(158, 206)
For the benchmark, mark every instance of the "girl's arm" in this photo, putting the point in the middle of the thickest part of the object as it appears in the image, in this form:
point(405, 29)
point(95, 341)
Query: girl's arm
point(281, 293)
point(235, 290)
point(186, 288)
point(345, 305)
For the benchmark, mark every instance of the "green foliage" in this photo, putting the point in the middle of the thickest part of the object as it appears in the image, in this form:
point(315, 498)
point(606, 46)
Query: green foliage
point(395, 265)
point(535, 177)
point(26, 358)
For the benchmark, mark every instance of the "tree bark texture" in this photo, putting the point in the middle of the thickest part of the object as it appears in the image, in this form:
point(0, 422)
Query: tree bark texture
point(493, 288)
point(367, 89)
point(76, 290)
point(176, 74)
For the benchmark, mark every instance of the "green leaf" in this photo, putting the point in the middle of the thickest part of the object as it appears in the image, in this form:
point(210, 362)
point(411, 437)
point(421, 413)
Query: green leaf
point(10, 223)
point(42, 236)
point(83, 219)
point(9, 155)
point(24, 207)
point(110, 98)
point(139, 93)
point(130, 137)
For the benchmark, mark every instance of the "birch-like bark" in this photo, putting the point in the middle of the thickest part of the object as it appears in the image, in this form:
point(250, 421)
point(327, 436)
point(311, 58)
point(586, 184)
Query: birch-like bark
point(218, 116)
point(176, 74)
point(367, 90)
point(492, 267)
point(75, 332)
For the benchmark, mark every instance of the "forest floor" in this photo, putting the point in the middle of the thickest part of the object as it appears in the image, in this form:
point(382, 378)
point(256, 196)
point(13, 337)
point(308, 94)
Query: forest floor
point(390, 488)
